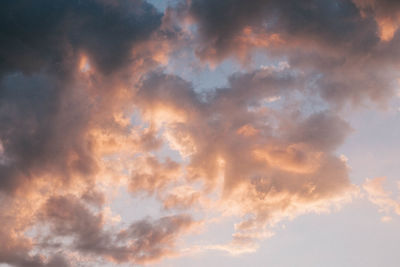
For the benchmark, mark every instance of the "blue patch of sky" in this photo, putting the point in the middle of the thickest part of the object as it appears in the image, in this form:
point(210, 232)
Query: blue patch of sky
point(372, 147)
point(132, 208)
point(161, 5)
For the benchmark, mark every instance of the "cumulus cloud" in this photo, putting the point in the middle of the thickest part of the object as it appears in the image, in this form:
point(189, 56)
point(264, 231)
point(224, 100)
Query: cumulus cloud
point(143, 241)
point(45, 108)
point(272, 163)
point(87, 107)
point(339, 43)
point(63, 99)
point(328, 23)
point(105, 30)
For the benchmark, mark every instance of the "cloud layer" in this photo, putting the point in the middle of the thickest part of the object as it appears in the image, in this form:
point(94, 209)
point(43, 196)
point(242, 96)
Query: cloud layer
point(89, 106)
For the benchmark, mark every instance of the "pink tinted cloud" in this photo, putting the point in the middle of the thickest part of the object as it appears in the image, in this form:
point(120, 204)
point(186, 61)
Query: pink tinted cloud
point(86, 109)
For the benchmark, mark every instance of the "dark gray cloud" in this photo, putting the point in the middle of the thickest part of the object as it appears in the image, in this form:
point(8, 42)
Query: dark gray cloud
point(21, 260)
point(42, 128)
point(48, 34)
point(330, 23)
point(380, 7)
point(48, 107)
point(143, 241)
point(342, 43)
point(44, 111)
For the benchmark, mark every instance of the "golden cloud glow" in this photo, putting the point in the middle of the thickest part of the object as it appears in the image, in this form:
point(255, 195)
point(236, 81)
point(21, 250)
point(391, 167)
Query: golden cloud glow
point(100, 111)
point(387, 28)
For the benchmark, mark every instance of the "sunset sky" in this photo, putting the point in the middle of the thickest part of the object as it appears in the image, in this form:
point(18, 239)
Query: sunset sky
point(216, 133)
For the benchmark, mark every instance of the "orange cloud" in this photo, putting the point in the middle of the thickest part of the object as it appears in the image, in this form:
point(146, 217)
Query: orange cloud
point(259, 172)
point(86, 109)
point(387, 29)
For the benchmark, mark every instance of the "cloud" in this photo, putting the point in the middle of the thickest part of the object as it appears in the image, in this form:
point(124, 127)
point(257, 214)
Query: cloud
point(63, 105)
point(337, 43)
point(150, 175)
point(142, 242)
point(87, 107)
point(386, 13)
point(285, 167)
point(381, 197)
point(324, 23)
point(43, 130)
point(46, 102)
point(104, 30)
point(17, 214)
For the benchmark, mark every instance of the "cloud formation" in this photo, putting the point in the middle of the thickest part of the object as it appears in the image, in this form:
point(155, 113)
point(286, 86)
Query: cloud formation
point(342, 44)
point(45, 109)
point(382, 198)
point(143, 241)
point(272, 164)
point(88, 106)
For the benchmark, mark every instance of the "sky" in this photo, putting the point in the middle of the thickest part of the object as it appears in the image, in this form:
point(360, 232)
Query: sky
point(199, 133)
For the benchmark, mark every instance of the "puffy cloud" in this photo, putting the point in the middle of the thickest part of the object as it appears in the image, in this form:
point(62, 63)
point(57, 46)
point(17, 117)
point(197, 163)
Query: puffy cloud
point(338, 43)
point(85, 109)
point(143, 241)
point(64, 73)
point(43, 131)
point(272, 163)
point(329, 23)
point(105, 30)
point(17, 214)
point(47, 100)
